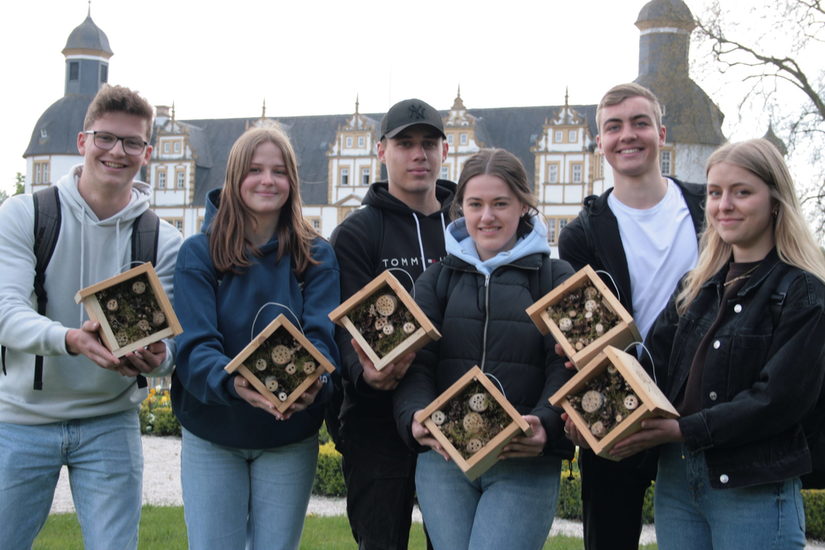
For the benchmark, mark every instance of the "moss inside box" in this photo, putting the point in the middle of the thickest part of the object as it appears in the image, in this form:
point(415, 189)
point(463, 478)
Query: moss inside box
point(605, 401)
point(583, 316)
point(281, 363)
point(471, 419)
point(383, 320)
point(132, 310)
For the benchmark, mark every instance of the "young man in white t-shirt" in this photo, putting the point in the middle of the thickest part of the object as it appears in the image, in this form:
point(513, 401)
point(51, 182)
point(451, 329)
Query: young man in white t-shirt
point(643, 232)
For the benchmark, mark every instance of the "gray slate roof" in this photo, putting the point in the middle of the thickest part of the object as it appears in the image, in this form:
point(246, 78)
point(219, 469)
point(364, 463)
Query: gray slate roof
point(672, 11)
point(88, 36)
point(511, 128)
point(61, 122)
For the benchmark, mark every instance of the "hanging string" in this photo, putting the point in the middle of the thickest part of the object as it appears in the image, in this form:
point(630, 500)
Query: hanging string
point(644, 348)
point(407, 273)
point(497, 381)
point(612, 280)
point(252, 328)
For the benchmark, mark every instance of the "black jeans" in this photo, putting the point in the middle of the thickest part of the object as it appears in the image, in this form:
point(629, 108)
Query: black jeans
point(612, 497)
point(379, 472)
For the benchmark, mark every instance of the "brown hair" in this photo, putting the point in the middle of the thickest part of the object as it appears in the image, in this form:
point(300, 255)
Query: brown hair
point(229, 241)
point(620, 92)
point(119, 99)
point(504, 165)
point(795, 244)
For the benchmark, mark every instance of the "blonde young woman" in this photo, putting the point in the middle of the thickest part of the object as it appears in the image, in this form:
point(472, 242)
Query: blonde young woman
point(743, 367)
point(247, 470)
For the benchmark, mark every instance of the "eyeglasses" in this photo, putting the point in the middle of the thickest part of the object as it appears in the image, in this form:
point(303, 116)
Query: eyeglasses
point(132, 145)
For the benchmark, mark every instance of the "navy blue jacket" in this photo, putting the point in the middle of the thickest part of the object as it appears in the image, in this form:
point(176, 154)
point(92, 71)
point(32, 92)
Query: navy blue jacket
point(760, 382)
point(217, 315)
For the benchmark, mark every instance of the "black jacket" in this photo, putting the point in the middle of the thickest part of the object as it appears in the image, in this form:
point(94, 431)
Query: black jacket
point(593, 237)
point(384, 234)
point(759, 382)
point(486, 325)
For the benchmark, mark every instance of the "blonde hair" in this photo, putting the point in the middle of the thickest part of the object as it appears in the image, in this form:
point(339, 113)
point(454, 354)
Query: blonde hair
point(229, 234)
point(795, 244)
point(620, 92)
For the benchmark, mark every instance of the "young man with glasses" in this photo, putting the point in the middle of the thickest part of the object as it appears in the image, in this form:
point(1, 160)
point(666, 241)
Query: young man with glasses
point(82, 412)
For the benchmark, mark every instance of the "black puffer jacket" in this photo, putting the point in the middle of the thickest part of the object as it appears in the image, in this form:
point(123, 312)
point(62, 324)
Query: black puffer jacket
point(484, 323)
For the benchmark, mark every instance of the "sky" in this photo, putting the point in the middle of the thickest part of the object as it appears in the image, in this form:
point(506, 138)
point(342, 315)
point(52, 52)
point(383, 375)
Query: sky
point(224, 59)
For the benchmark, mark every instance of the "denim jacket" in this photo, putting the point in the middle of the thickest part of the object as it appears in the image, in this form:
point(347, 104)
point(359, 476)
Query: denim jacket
point(760, 381)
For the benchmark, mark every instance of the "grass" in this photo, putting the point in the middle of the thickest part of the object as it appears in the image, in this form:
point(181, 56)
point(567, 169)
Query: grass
point(162, 528)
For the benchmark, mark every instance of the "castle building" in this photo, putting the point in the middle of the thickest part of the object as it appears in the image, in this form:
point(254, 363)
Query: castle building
point(337, 153)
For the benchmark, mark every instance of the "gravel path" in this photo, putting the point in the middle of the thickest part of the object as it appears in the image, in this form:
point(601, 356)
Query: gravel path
point(161, 487)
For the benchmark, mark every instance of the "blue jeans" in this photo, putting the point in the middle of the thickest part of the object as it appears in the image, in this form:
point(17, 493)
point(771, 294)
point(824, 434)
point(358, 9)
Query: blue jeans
point(691, 515)
point(105, 463)
point(238, 498)
point(510, 506)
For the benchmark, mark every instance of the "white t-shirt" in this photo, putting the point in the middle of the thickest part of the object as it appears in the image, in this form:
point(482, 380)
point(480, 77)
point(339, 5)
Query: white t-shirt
point(660, 247)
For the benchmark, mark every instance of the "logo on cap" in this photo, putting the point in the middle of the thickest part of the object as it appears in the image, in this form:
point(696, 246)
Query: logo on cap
point(417, 112)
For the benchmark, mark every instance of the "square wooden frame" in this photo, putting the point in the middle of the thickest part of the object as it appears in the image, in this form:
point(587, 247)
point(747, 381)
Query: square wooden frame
point(426, 330)
point(624, 333)
point(652, 402)
point(483, 459)
point(95, 311)
point(280, 322)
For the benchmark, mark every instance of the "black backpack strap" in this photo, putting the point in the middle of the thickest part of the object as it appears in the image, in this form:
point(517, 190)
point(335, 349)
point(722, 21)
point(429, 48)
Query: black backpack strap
point(145, 230)
point(47, 219)
point(145, 234)
point(780, 293)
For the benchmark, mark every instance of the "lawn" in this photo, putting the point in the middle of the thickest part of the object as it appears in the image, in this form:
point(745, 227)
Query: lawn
point(162, 528)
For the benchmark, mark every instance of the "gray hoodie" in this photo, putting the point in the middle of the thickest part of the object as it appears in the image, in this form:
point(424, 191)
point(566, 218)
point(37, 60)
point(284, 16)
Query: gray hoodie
point(88, 251)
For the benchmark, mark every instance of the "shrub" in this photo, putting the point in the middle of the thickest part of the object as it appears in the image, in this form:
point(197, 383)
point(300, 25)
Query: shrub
point(156, 416)
point(814, 500)
point(329, 480)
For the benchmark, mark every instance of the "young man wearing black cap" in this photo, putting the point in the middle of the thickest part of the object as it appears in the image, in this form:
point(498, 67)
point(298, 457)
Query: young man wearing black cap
point(400, 228)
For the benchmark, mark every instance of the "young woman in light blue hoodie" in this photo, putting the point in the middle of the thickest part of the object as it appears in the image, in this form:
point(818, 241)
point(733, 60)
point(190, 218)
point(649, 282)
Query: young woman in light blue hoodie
point(497, 265)
point(247, 469)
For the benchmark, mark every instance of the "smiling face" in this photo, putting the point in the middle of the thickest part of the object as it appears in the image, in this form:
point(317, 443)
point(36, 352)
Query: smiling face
point(739, 207)
point(265, 188)
point(110, 173)
point(491, 212)
point(629, 138)
point(413, 159)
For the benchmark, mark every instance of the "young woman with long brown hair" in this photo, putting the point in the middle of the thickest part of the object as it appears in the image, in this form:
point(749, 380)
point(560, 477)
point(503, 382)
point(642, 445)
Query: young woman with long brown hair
point(247, 470)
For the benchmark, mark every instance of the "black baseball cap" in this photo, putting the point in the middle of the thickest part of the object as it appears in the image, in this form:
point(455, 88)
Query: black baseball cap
point(409, 113)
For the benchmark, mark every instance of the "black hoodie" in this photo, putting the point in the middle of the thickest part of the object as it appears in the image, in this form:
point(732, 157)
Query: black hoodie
point(384, 234)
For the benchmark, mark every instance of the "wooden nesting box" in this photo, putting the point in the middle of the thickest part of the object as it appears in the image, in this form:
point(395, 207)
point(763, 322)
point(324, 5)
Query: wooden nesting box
point(481, 425)
point(280, 363)
point(582, 294)
point(615, 392)
point(385, 320)
point(132, 309)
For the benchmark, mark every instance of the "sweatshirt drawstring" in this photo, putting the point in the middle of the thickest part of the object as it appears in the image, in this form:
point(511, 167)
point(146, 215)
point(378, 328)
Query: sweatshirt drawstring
point(420, 241)
point(82, 309)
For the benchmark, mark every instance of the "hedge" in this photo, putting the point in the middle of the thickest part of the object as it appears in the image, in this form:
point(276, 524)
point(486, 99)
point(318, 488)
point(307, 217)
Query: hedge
point(156, 418)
